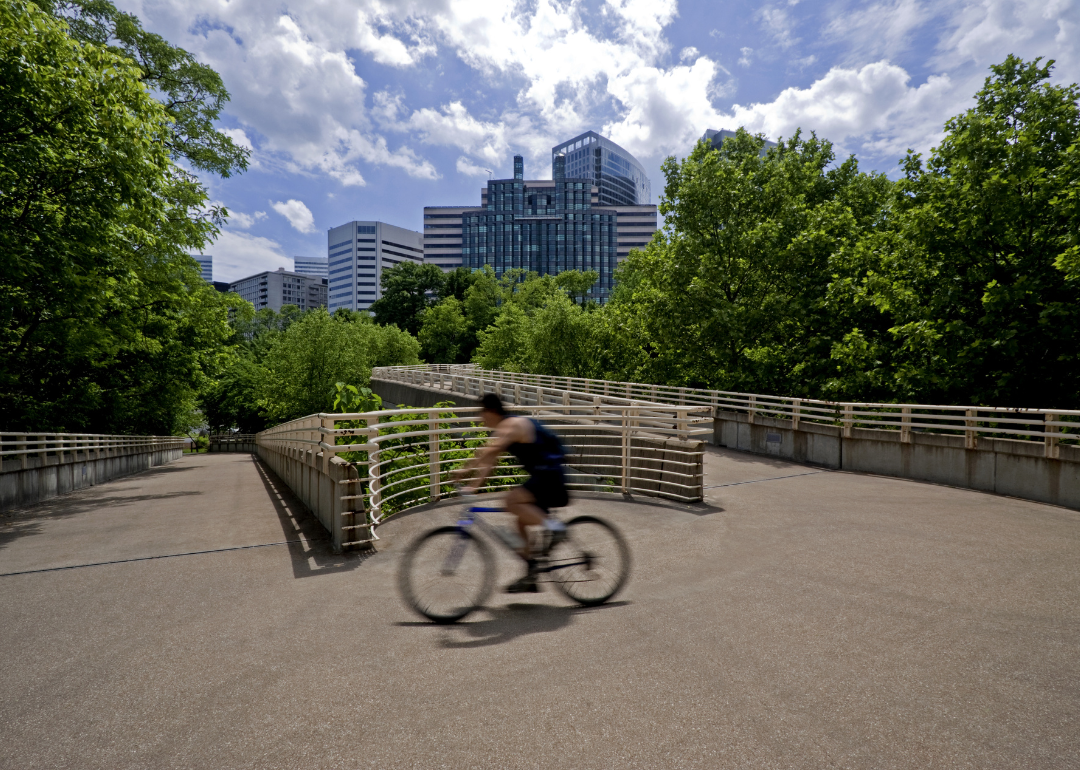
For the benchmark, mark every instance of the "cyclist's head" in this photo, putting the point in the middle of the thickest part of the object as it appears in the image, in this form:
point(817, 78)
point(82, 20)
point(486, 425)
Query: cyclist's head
point(493, 408)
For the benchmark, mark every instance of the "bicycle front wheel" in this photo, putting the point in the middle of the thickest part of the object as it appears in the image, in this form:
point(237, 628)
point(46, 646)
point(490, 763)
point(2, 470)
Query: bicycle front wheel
point(592, 564)
point(446, 574)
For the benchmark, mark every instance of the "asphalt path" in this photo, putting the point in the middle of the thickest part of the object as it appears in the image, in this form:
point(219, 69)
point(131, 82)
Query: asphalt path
point(800, 618)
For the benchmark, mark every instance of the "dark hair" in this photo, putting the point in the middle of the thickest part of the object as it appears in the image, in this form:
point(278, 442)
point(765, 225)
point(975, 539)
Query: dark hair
point(492, 403)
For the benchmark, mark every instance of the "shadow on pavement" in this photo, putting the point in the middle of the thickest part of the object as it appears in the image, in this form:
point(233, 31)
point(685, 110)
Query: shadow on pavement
point(314, 555)
point(27, 521)
point(507, 623)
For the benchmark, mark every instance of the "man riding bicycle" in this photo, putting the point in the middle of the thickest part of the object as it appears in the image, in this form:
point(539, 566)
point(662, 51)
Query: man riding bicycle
point(541, 455)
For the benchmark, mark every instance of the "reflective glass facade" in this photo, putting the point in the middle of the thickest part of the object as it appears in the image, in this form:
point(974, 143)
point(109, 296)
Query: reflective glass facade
point(619, 178)
point(542, 226)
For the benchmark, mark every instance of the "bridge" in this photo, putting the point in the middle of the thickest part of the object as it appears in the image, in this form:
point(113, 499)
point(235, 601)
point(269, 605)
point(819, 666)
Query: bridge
point(205, 612)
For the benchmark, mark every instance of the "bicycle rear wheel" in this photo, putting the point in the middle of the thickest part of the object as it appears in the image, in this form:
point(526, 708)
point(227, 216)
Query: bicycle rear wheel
point(446, 574)
point(595, 561)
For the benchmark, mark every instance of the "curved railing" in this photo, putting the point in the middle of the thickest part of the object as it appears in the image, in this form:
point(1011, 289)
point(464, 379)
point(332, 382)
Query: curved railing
point(403, 458)
point(1052, 427)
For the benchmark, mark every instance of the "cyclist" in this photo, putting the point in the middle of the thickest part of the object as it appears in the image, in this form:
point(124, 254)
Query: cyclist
point(541, 455)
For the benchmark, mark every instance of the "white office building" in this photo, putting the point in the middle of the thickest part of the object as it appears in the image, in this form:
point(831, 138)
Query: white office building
point(358, 252)
point(442, 236)
point(206, 265)
point(280, 287)
point(315, 266)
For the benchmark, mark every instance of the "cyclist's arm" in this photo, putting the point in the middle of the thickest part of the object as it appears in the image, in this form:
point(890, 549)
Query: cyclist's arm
point(481, 465)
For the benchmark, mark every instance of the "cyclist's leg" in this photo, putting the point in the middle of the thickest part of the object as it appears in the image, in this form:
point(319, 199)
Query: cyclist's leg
point(522, 503)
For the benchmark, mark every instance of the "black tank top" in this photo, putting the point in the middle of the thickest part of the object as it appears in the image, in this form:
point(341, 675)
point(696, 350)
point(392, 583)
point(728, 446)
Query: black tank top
point(544, 454)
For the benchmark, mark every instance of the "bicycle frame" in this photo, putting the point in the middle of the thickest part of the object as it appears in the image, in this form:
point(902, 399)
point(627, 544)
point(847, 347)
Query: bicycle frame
point(469, 518)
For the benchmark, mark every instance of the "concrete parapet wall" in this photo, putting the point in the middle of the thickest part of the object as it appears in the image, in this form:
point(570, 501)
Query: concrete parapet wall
point(42, 480)
point(1003, 466)
point(395, 393)
point(320, 487)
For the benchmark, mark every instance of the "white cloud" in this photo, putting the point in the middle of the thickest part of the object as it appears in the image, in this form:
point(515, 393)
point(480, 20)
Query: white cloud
point(299, 215)
point(878, 30)
point(874, 103)
point(239, 137)
point(245, 221)
point(468, 168)
point(778, 24)
point(238, 255)
point(309, 92)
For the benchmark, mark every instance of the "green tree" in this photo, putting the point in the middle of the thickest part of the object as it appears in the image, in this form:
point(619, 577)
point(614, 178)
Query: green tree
point(443, 332)
point(407, 290)
point(971, 280)
point(504, 344)
point(306, 361)
point(106, 325)
point(559, 339)
point(733, 293)
point(577, 284)
point(456, 283)
point(191, 93)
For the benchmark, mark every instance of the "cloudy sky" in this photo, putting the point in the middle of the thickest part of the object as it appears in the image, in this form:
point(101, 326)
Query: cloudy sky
point(371, 109)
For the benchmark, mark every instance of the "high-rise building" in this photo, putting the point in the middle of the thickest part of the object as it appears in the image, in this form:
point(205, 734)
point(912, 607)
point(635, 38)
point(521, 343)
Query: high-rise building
point(280, 287)
point(315, 266)
point(442, 236)
point(549, 226)
point(358, 252)
point(206, 265)
point(716, 138)
point(619, 178)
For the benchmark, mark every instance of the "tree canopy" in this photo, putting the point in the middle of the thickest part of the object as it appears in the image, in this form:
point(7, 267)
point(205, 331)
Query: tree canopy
point(106, 323)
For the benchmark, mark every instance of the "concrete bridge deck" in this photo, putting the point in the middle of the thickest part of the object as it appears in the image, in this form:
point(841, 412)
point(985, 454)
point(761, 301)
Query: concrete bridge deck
point(802, 618)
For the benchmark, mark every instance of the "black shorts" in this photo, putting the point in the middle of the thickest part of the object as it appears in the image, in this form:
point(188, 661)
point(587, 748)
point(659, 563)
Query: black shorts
point(549, 489)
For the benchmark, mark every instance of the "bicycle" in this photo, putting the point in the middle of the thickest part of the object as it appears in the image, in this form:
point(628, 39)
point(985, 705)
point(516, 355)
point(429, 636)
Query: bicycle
point(449, 572)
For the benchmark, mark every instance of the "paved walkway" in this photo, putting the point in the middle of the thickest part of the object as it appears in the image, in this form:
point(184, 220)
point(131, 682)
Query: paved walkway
point(799, 619)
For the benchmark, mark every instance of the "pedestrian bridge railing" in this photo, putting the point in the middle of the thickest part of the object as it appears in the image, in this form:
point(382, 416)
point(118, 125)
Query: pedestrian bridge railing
point(37, 466)
point(355, 470)
point(1051, 427)
point(1028, 453)
point(232, 442)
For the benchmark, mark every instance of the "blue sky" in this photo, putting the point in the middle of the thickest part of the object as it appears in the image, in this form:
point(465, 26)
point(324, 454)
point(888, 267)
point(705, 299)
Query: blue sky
point(375, 108)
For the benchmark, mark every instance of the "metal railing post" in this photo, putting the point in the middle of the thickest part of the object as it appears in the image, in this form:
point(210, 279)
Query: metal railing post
point(847, 421)
point(625, 450)
point(753, 410)
point(796, 408)
point(971, 436)
point(327, 423)
point(1050, 439)
point(905, 425)
point(434, 458)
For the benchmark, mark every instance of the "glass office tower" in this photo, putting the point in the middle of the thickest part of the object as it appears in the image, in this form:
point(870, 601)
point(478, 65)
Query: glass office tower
point(619, 178)
point(542, 226)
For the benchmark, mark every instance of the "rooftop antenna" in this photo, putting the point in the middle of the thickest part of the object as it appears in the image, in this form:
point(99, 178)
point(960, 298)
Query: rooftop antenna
point(491, 174)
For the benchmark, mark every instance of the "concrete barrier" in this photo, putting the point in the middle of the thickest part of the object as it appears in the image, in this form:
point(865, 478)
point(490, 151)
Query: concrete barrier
point(322, 487)
point(244, 442)
point(46, 477)
point(1003, 466)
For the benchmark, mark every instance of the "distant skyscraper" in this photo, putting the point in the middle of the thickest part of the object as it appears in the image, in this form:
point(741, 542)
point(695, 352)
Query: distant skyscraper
point(549, 226)
point(620, 180)
point(310, 266)
point(277, 288)
point(716, 138)
point(206, 265)
point(589, 216)
point(358, 252)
